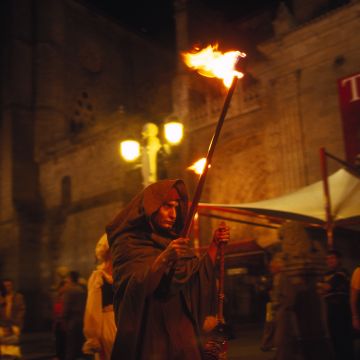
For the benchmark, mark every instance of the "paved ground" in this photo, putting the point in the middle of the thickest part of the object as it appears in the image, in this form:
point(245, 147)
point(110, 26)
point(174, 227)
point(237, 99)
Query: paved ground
point(245, 346)
point(37, 346)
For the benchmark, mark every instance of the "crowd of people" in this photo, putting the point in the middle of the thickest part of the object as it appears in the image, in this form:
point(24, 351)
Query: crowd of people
point(164, 294)
point(151, 297)
point(340, 293)
point(84, 322)
point(148, 280)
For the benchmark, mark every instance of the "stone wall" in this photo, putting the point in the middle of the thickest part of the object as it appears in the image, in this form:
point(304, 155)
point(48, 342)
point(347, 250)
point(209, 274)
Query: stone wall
point(275, 127)
point(106, 76)
point(74, 85)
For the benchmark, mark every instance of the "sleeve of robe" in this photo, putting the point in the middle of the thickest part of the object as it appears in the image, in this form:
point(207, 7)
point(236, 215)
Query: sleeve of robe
point(131, 272)
point(131, 269)
point(197, 281)
point(93, 311)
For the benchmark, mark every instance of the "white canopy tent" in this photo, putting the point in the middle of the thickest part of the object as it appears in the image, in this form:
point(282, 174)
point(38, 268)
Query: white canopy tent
point(308, 203)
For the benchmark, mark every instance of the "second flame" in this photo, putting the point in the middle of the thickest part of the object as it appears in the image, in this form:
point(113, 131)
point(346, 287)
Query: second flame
point(198, 166)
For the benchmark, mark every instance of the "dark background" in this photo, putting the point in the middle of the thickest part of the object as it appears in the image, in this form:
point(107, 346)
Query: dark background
point(155, 20)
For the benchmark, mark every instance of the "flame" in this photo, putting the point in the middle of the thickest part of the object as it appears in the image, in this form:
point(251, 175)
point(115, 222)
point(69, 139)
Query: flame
point(198, 166)
point(212, 63)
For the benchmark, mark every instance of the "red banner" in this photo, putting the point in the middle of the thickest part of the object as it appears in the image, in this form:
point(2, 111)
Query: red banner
point(349, 95)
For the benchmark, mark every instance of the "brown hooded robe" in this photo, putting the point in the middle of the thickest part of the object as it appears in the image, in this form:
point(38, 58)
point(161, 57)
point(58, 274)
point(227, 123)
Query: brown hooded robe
point(164, 324)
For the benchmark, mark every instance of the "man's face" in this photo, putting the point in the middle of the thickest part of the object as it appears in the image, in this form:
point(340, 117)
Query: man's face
point(165, 217)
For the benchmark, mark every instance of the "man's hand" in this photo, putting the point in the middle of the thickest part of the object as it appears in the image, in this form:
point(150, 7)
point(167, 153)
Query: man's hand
point(176, 250)
point(222, 234)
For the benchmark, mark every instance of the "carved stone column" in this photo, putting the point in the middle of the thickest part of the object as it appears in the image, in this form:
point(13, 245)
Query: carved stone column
point(6, 204)
point(181, 83)
point(291, 131)
point(49, 73)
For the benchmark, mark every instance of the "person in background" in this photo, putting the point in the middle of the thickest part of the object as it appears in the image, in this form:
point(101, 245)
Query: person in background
point(268, 338)
point(12, 319)
point(58, 321)
point(163, 291)
point(99, 319)
point(355, 307)
point(335, 290)
point(73, 313)
point(301, 331)
point(355, 298)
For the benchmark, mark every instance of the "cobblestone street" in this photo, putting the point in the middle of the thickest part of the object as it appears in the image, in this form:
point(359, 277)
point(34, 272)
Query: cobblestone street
point(245, 346)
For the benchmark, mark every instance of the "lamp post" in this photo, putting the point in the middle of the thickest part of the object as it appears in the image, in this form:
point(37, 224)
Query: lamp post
point(147, 151)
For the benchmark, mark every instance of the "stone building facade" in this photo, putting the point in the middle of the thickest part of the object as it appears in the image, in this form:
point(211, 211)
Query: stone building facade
point(75, 83)
point(283, 112)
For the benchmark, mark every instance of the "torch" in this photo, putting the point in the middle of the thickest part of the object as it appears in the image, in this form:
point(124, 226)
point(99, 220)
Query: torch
point(210, 62)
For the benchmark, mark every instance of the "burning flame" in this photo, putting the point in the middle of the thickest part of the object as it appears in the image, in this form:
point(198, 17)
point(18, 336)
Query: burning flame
point(212, 63)
point(198, 166)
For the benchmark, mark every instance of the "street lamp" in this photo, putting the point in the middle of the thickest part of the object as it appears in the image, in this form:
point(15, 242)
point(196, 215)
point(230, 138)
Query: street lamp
point(131, 150)
point(174, 131)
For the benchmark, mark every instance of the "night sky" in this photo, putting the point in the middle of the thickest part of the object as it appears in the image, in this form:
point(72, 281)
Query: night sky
point(151, 18)
point(154, 18)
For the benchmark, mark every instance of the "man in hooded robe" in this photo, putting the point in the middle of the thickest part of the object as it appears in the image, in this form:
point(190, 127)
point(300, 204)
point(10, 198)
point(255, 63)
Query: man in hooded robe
point(163, 291)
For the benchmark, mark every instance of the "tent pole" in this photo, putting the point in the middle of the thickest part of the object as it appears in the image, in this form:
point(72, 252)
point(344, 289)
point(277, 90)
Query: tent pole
point(329, 220)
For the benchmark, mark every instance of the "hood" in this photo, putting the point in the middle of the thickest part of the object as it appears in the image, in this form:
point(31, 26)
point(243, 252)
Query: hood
point(137, 213)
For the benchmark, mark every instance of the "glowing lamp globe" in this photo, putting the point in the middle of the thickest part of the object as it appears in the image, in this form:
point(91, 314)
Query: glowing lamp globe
point(130, 150)
point(174, 132)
